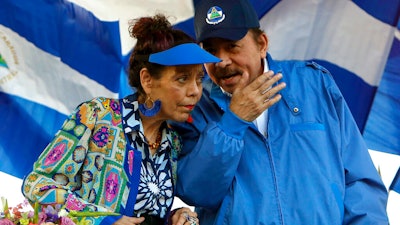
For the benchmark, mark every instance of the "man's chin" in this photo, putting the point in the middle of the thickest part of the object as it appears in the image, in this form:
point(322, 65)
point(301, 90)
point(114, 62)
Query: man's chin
point(228, 90)
point(229, 85)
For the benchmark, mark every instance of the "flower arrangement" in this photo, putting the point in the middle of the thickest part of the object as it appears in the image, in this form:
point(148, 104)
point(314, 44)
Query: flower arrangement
point(24, 214)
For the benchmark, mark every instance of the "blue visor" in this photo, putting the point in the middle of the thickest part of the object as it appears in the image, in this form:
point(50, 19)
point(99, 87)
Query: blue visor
point(184, 54)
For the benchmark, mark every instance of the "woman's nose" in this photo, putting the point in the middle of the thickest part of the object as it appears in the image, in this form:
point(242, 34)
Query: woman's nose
point(195, 89)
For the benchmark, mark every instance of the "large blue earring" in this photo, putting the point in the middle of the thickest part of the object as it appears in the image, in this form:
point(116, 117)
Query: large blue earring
point(150, 111)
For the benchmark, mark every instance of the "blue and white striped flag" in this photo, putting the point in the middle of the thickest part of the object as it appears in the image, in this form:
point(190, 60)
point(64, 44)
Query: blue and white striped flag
point(56, 54)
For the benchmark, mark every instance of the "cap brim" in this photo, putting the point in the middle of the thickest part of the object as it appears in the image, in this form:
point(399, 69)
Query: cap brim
point(233, 34)
point(184, 54)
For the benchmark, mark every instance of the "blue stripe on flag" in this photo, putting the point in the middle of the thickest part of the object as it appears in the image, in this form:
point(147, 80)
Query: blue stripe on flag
point(68, 31)
point(187, 27)
point(395, 185)
point(25, 131)
point(398, 24)
point(382, 131)
point(351, 86)
point(387, 11)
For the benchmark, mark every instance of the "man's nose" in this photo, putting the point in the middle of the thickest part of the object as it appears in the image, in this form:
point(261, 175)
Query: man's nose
point(225, 59)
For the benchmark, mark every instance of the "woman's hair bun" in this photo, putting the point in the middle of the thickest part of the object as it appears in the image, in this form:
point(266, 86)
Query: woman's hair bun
point(147, 28)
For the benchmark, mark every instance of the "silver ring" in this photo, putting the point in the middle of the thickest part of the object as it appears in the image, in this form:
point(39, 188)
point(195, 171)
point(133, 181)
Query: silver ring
point(191, 219)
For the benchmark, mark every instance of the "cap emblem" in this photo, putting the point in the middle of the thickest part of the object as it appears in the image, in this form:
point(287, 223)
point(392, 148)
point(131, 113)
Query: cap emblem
point(215, 15)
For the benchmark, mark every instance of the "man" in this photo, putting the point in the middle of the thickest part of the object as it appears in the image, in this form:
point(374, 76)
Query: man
point(271, 142)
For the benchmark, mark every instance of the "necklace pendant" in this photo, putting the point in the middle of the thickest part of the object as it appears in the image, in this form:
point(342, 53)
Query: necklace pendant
point(156, 144)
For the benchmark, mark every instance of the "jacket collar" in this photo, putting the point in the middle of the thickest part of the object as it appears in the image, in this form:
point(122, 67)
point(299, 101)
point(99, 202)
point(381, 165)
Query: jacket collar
point(287, 97)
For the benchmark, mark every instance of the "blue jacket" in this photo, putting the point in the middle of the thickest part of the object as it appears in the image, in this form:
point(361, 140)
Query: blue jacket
point(312, 168)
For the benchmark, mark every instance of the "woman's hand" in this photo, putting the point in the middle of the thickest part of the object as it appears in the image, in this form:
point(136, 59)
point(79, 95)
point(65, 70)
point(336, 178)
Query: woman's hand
point(184, 216)
point(125, 220)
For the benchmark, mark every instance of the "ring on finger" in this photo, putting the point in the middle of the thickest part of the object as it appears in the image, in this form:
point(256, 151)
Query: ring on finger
point(191, 219)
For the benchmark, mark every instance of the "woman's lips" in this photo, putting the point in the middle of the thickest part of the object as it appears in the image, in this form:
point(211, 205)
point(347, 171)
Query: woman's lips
point(189, 106)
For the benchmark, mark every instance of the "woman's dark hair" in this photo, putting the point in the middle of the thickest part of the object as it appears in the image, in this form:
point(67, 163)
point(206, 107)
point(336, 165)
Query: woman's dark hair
point(153, 34)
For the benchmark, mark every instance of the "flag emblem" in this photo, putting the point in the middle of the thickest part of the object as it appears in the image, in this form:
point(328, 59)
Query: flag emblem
point(8, 60)
point(215, 15)
point(3, 62)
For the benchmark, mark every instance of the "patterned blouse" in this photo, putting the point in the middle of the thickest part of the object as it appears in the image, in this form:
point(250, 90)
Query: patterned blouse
point(99, 161)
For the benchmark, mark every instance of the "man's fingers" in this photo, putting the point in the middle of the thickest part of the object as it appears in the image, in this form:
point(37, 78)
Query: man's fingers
point(272, 91)
point(266, 86)
point(243, 81)
point(264, 80)
point(271, 101)
point(253, 99)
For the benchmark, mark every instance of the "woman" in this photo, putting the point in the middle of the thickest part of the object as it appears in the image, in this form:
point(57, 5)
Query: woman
point(120, 155)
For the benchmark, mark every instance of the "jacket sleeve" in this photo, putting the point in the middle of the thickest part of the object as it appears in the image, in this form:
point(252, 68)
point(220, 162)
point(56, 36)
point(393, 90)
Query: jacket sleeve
point(211, 152)
point(56, 173)
point(366, 196)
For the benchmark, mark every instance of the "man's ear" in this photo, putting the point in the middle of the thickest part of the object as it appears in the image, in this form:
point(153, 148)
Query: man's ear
point(146, 80)
point(263, 44)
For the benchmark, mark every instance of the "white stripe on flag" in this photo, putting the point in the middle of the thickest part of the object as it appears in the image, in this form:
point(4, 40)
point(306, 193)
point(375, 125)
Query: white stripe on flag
point(125, 10)
point(41, 77)
point(336, 31)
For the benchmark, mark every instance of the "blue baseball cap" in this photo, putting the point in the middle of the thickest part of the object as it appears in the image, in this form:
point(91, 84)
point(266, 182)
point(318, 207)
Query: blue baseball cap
point(228, 19)
point(183, 54)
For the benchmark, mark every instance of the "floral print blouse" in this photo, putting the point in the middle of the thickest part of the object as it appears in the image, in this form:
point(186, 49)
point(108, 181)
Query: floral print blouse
point(99, 161)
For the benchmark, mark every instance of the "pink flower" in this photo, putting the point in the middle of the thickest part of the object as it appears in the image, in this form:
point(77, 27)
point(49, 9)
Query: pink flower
point(42, 217)
point(66, 221)
point(6, 222)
